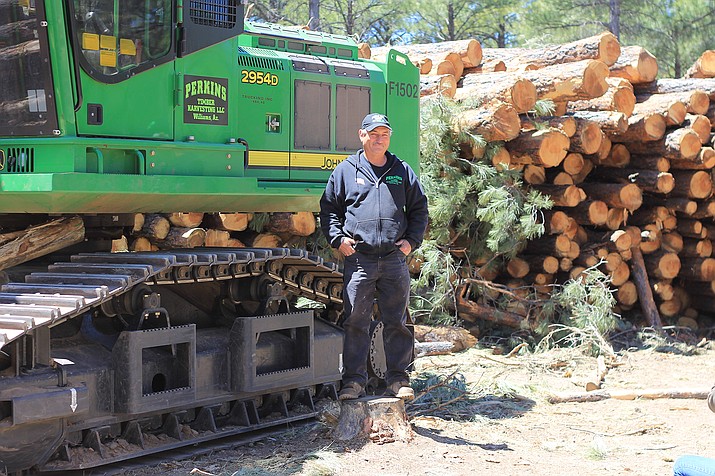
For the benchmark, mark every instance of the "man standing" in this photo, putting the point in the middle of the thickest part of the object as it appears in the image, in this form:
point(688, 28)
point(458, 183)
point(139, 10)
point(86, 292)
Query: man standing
point(374, 212)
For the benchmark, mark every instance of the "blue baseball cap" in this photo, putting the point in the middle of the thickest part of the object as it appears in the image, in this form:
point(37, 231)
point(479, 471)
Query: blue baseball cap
point(373, 121)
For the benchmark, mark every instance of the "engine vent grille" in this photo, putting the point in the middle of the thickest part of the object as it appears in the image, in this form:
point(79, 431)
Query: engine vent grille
point(258, 62)
point(19, 160)
point(215, 13)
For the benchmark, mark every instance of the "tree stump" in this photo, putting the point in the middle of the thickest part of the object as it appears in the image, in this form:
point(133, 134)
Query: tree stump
point(379, 419)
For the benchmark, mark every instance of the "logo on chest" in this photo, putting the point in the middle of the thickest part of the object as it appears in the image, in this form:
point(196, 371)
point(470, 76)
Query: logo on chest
point(393, 180)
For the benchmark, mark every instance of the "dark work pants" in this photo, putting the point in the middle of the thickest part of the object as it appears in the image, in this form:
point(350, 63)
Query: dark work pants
point(363, 276)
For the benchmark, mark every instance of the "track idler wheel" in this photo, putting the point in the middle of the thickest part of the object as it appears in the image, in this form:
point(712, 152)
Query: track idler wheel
point(140, 308)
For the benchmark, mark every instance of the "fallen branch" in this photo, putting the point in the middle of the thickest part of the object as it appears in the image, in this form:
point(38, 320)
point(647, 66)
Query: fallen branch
point(649, 394)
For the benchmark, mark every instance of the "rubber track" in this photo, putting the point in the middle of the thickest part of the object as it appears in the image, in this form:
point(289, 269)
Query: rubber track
point(70, 289)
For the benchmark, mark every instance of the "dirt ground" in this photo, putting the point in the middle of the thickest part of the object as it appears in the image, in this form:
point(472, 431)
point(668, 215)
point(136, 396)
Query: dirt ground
point(505, 425)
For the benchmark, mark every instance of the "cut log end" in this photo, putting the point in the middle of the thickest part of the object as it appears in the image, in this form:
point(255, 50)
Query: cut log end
point(378, 419)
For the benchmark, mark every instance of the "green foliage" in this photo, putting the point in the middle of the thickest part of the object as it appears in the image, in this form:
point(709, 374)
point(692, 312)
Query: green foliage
point(259, 221)
point(582, 312)
point(473, 205)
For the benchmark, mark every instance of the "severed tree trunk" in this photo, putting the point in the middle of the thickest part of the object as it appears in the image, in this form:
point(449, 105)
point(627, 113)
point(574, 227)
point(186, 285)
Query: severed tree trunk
point(534, 174)
point(444, 85)
point(505, 87)
point(636, 65)
point(229, 221)
point(704, 66)
point(571, 81)
point(181, 237)
point(488, 65)
point(609, 122)
point(678, 85)
point(650, 162)
point(378, 419)
point(604, 47)
point(472, 311)
point(680, 144)
point(700, 125)
point(662, 264)
point(500, 122)
point(627, 196)
point(648, 180)
point(588, 137)
point(642, 127)
point(590, 212)
point(697, 269)
point(188, 220)
point(705, 160)
point(696, 102)
point(565, 124)
point(692, 184)
point(546, 147)
point(39, 240)
point(562, 195)
point(554, 245)
point(300, 224)
point(573, 163)
point(156, 227)
point(649, 394)
point(618, 98)
point(670, 106)
point(218, 238)
point(556, 221)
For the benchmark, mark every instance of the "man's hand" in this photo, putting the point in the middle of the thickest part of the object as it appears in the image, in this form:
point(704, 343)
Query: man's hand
point(404, 246)
point(347, 247)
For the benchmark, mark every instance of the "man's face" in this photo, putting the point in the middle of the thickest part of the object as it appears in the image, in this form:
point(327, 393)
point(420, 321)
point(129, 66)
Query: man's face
point(377, 141)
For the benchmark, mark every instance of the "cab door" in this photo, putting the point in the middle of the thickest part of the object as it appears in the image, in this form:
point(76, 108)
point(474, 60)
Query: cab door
point(125, 50)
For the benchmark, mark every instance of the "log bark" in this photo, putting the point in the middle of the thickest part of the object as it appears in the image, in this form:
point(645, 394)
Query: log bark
point(554, 245)
point(534, 174)
point(583, 173)
point(541, 264)
point(694, 248)
point(141, 244)
point(378, 419)
point(187, 220)
point(566, 124)
point(546, 147)
point(645, 294)
point(618, 156)
point(642, 127)
point(562, 195)
point(635, 64)
point(498, 123)
point(444, 85)
point(662, 264)
point(39, 240)
point(705, 160)
point(441, 61)
point(627, 196)
point(618, 98)
point(181, 237)
point(156, 227)
point(604, 47)
point(650, 162)
point(670, 106)
point(590, 212)
point(648, 180)
point(704, 66)
point(609, 122)
point(692, 184)
point(695, 102)
point(697, 269)
point(571, 81)
point(680, 144)
point(587, 139)
point(217, 238)
point(472, 311)
point(505, 87)
point(488, 65)
point(458, 337)
point(700, 125)
point(678, 85)
point(705, 210)
point(300, 224)
point(229, 221)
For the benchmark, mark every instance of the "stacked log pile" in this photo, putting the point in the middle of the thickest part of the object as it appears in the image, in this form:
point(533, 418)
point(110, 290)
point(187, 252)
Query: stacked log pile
point(153, 232)
point(627, 161)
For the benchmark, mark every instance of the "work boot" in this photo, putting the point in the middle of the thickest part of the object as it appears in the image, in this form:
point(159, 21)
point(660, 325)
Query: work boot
point(400, 389)
point(351, 391)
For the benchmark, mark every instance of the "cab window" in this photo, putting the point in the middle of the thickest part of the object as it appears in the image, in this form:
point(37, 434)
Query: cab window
point(117, 37)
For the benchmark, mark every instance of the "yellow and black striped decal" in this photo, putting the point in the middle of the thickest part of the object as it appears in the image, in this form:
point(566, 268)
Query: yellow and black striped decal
point(294, 160)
